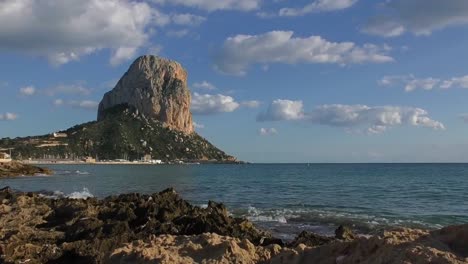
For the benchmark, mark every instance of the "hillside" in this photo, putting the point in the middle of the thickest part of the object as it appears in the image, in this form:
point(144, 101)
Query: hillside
point(122, 134)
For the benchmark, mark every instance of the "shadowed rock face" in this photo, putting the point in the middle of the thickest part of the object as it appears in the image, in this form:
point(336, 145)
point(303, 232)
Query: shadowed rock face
point(157, 88)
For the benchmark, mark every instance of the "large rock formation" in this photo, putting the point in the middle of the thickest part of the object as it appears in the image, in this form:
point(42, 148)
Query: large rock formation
point(157, 88)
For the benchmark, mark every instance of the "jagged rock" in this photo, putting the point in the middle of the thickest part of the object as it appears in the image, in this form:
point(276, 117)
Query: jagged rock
point(87, 231)
point(157, 88)
point(344, 233)
point(310, 240)
point(12, 169)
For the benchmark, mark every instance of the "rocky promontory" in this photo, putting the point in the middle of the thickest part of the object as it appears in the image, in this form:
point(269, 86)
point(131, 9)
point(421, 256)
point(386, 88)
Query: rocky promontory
point(164, 228)
point(145, 117)
point(156, 88)
point(13, 169)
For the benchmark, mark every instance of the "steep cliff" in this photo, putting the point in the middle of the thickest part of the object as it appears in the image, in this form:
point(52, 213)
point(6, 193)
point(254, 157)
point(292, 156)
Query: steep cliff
point(157, 88)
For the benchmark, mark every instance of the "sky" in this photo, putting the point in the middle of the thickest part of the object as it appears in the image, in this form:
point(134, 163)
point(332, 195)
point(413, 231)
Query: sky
point(271, 80)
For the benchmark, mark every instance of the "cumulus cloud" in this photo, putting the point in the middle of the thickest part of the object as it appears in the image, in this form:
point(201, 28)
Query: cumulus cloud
point(8, 116)
point(355, 118)
point(64, 31)
point(241, 51)
point(204, 85)
point(214, 5)
point(461, 82)
point(267, 131)
point(207, 104)
point(411, 83)
point(420, 17)
point(280, 110)
point(317, 6)
point(187, 19)
point(28, 90)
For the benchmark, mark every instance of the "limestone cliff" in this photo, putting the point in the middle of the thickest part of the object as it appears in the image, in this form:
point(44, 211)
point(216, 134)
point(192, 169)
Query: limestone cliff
point(157, 88)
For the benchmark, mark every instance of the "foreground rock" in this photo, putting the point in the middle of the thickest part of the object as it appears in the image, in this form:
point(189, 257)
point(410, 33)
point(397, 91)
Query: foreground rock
point(87, 231)
point(163, 228)
point(13, 169)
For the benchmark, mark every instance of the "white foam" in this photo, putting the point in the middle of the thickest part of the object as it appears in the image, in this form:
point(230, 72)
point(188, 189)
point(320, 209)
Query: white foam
point(82, 172)
point(84, 194)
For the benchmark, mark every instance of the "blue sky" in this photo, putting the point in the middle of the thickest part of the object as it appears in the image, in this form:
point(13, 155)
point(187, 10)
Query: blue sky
point(272, 80)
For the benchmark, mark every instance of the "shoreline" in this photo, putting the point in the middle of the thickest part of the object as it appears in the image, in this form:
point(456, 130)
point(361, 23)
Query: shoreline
point(164, 228)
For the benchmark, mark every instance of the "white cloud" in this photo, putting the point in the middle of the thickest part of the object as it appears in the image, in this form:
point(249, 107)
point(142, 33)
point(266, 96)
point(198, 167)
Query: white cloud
point(76, 88)
point(353, 118)
point(197, 125)
point(250, 104)
point(421, 17)
point(267, 131)
point(28, 90)
point(8, 117)
point(64, 31)
point(374, 119)
point(411, 83)
point(204, 85)
point(214, 5)
point(461, 82)
point(187, 19)
point(241, 51)
point(317, 6)
point(280, 110)
point(206, 104)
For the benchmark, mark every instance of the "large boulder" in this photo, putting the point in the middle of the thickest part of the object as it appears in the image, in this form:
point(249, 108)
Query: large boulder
point(157, 88)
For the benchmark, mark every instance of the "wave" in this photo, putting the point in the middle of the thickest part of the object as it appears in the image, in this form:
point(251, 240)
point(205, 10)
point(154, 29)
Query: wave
point(364, 222)
point(84, 194)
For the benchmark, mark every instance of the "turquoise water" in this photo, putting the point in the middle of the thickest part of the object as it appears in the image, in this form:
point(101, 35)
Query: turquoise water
point(287, 198)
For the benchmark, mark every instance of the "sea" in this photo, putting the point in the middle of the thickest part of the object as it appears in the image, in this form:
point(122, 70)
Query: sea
point(285, 198)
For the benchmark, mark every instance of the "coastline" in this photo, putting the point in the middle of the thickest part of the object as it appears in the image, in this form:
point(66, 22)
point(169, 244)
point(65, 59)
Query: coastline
point(62, 162)
point(164, 228)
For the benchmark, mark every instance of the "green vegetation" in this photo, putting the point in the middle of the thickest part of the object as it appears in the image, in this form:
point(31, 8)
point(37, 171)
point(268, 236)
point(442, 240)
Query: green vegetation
point(122, 134)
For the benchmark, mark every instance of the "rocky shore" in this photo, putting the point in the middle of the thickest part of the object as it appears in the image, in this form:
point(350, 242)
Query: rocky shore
point(13, 169)
point(164, 228)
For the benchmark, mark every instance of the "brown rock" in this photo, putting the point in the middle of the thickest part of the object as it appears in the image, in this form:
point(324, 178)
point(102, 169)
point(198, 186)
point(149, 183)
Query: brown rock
point(157, 88)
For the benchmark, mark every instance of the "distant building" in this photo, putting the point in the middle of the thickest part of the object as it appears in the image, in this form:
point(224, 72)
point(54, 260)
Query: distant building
point(156, 161)
point(147, 158)
point(60, 135)
point(4, 157)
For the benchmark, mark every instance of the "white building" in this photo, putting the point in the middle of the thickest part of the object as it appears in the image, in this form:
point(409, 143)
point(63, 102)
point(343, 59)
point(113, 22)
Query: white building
point(60, 135)
point(4, 157)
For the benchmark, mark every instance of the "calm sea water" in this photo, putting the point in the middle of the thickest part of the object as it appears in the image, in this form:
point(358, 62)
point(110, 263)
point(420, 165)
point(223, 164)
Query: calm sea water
point(287, 198)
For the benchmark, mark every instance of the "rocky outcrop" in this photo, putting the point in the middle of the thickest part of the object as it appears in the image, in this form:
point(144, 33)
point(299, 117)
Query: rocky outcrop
point(163, 228)
point(157, 88)
point(62, 230)
point(13, 169)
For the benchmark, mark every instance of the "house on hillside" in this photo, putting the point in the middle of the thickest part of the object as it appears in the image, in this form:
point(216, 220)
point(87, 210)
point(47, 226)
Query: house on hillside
point(60, 135)
point(4, 157)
